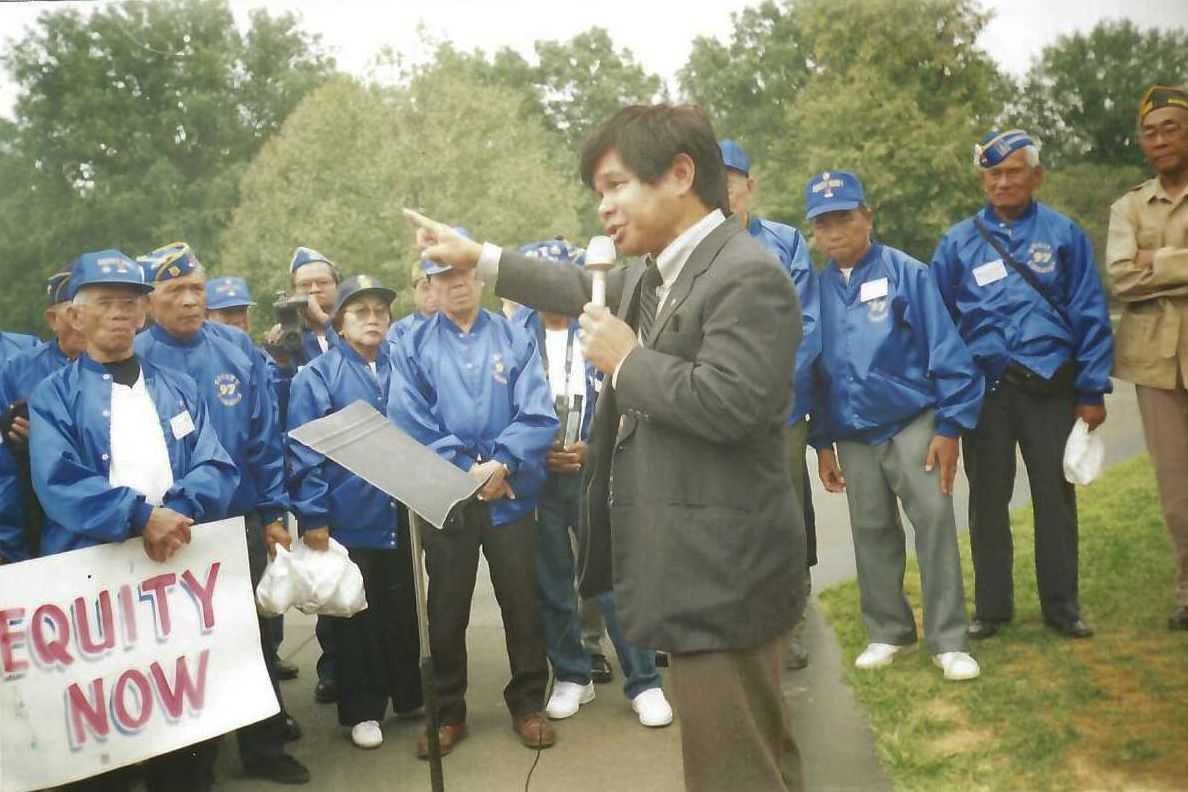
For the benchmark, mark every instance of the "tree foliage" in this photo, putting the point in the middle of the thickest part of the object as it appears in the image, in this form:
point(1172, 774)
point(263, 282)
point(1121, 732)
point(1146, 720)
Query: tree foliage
point(1081, 95)
point(133, 125)
point(351, 156)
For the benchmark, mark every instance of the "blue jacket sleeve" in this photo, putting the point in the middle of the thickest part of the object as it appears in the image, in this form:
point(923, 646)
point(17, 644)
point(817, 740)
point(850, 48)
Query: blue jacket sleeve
point(309, 399)
point(410, 400)
point(207, 487)
point(534, 420)
point(959, 385)
point(808, 288)
point(74, 495)
point(266, 461)
point(946, 274)
point(1093, 338)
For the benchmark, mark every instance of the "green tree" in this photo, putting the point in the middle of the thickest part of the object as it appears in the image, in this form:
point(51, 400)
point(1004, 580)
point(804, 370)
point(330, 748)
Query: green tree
point(748, 85)
point(899, 92)
point(1081, 95)
point(134, 123)
point(351, 156)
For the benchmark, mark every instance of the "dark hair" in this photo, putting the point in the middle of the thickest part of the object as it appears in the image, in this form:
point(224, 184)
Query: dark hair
point(649, 137)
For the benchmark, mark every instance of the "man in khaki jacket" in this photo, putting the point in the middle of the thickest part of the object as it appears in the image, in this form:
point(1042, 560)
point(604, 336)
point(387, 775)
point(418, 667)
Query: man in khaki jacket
point(1147, 253)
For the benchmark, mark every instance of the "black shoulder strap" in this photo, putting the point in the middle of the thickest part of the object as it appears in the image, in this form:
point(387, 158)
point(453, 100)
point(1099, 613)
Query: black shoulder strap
point(1025, 273)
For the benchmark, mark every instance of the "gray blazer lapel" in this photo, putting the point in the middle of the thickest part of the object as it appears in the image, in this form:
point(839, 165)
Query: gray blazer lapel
point(699, 261)
point(630, 284)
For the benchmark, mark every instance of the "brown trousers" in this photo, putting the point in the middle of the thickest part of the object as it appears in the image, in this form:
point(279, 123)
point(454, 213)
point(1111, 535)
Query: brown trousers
point(735, 732)
point(1165, 424)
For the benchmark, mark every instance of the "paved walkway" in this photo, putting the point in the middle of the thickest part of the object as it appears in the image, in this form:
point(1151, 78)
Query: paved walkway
point(603, 748)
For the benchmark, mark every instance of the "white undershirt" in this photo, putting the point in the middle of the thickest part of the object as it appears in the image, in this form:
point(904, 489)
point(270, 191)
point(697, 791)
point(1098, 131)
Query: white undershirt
point(323, 344)
point(139, 458)
point(846, 272)
point(555, 341)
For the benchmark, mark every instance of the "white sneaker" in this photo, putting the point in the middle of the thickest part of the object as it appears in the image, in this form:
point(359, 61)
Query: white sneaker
point(957, 665)
point(367, 734)
point(877, 655)
point(653, 708)
point(567, 697)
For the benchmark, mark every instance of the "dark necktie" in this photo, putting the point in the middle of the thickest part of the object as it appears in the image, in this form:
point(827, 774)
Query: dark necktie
point(648, 299)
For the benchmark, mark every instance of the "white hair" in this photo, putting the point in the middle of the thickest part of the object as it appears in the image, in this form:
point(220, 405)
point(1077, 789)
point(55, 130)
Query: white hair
point(1032, 156)
point(80, 297)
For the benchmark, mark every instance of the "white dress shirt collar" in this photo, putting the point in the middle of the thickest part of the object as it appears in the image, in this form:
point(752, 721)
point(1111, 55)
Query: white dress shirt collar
point(673, 258)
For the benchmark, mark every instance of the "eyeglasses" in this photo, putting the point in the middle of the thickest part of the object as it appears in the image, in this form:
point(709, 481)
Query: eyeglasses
point(1167, 130)
point(365, 312)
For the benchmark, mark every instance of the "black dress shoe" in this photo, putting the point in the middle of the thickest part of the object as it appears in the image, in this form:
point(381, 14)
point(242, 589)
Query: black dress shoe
point(600, 669)
point(282, 769)
point(293, 730)
point(286, 670)
point(983, 628)
point(326, 691)
point(1073, 629)
point(1179, 619)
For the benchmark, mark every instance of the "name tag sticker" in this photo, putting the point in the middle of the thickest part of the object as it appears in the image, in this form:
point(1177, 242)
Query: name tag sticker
point(182, 424)
point(873, 290)
point(989, 272)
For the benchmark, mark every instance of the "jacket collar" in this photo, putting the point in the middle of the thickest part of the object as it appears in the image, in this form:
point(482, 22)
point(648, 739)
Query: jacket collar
point(165, 337)
point(709, 243)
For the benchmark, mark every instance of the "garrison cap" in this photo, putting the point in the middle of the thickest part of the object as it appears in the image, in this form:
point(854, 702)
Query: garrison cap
point(167, 262)
point(304, 255)
point(1158, 96)
point(57, 288)
point(995, 146)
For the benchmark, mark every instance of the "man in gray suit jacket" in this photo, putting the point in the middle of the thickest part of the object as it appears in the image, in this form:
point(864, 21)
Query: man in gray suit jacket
point(688, 511)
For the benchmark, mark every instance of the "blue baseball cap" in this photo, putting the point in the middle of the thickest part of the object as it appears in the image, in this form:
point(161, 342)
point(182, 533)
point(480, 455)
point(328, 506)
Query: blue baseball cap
point(57, 288)
point(106, 268)
point(555, 250)
point(734, 157)
point(431, 267)
point(832, 191)
point(175, 260)
point(357, 285)
point(228, 291)
point(304, 255)
point(996, 146)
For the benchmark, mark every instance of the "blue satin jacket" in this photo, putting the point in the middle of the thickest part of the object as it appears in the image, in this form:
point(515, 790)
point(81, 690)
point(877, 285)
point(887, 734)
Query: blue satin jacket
point(478, 396)
point(234, 382)
point(323, 493)
point(69, 415)
point(1003, 319)
point(889, 352)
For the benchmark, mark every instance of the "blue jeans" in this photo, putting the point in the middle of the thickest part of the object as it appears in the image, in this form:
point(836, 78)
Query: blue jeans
point(557, 514)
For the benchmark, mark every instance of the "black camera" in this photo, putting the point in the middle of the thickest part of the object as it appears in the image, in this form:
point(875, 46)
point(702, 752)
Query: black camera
point(289, 316)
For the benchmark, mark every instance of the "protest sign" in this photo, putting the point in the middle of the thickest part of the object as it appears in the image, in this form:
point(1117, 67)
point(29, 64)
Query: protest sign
point(108, 658)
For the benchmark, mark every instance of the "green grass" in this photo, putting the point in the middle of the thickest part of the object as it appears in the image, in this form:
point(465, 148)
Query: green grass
point(1048, 713)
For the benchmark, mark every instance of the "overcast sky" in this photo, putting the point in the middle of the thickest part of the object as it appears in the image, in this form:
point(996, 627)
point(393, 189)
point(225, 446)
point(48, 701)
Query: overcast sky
point(659, 32)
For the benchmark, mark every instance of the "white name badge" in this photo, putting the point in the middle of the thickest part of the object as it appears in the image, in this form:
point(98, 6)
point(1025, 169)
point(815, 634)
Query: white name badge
point(182, 424)
point(989, 272)
point(873, 290)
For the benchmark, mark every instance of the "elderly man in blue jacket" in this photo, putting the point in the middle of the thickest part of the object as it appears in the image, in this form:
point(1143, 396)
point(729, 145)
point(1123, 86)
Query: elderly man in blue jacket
point(895, 389)
point(1020, 281)
point(790, 249)
point(125, 448)
point(472, 387)
point(235, 385)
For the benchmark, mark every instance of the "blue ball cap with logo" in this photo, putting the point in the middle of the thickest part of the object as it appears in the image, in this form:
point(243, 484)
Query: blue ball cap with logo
point(303, 256)
point(228, 291)
point(436, 268)
point(832, 191)
point(57, 288)
point(106, 268)
point(734, 157)
point(358, 285)
point(557, 250)
point(996, 146)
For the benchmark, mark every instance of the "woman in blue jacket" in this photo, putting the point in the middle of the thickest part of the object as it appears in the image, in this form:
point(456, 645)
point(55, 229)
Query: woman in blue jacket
point(378, 648)
point(895, 388)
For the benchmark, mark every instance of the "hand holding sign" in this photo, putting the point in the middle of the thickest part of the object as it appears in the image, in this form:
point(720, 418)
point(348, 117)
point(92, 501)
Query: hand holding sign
point(165, 533)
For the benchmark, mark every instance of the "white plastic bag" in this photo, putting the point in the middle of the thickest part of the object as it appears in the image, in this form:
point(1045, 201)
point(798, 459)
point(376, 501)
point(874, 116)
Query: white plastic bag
point(1084, 454)
point(313, 581)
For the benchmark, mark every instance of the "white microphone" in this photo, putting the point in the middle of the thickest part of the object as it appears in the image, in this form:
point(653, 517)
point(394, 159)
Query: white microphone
point(600, 257)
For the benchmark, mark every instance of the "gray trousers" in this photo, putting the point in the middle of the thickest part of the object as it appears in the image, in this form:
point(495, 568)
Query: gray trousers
point(876, 476)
